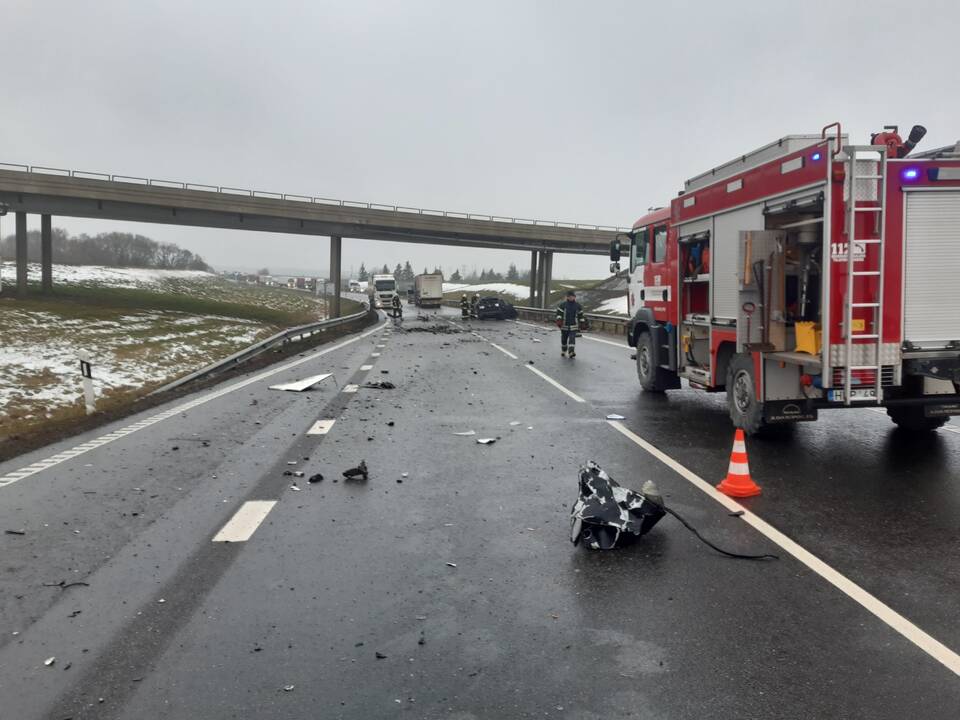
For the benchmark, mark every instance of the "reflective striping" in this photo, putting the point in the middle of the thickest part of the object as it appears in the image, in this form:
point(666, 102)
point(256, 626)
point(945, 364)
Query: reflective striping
point(321, 427)
point(504, 351)
point(739, 446)
point(245, 521)
point(553, 382)
point(934, 648)
point(21, 473)
point(364, 368)
point(738, 468)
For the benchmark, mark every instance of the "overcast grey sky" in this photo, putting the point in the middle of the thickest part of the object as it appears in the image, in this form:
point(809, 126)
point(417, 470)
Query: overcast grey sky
point(578, 111)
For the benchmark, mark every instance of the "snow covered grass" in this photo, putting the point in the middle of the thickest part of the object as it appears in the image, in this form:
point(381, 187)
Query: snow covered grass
point(613, 306)
point(502, 289)
point(142, 327)
point(139, 350)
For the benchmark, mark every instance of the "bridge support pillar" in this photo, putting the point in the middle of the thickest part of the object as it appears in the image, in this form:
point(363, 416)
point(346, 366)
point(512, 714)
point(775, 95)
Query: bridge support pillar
point(546, 276)
point(335, 247)
point(21, 253)
point(533, 278)
point(46, 254)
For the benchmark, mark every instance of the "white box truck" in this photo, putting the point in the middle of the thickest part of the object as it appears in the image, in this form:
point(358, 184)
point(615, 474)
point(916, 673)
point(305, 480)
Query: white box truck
point(381, 291)
point(428, 290)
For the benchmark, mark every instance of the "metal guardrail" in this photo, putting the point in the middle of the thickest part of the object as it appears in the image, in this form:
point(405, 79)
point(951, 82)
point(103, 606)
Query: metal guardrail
point(247, 353)
point(226, 190)
point(598, 321)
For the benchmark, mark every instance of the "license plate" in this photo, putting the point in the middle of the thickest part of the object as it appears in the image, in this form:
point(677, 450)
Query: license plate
point(856, 394)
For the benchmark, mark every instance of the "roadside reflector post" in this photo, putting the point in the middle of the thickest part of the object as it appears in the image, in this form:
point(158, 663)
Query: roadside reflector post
point(86, 370)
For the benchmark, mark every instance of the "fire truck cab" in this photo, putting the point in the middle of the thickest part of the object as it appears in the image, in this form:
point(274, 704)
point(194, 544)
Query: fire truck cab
point(809, 274)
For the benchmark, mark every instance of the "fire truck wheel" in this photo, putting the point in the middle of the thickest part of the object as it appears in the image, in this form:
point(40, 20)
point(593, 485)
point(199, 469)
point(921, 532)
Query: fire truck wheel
point(652, 377)
point(745, 410)
point(913, 420)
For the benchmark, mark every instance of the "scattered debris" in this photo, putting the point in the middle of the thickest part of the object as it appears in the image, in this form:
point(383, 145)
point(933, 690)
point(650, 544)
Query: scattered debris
point(360, 471)
point(175, 447)
point(604, 510)
point(15, 532)
point(299, 473)
point(288, 688)
point(291, 462)
point(403, 475)
point(535, 340)
point(422, 640)
point(288, 473)
point(301, 385)
point(63, 584)
point(450, 564)
point(74, 613)
point(467, 433)
point(735, 513)
point(514, 422)
point(380, 656)
point(391, 424)
point(161, 601)
point(486, 441)
point(315, 478)
point(380, 385)
point(384, 372)
point(295, 488)
point(49, 661)
point(614, 416)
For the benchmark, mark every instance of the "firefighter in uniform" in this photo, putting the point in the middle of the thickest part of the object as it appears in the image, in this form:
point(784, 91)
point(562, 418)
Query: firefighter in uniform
point(473, 305)
point(397, 306)
point(569, 319)
point(464, 307)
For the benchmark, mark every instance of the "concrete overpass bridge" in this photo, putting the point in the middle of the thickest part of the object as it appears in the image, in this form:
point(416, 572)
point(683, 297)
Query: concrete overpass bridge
point(48, 191)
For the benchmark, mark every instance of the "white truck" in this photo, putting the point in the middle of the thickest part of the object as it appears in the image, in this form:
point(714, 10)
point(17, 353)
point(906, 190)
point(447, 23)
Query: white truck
point(428, 290)
point(381, 290)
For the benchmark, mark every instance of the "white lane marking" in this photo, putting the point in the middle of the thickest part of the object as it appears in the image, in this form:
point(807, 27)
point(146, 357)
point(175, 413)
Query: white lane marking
point(504, 351)
point(934, 648)
point(374, 354)
point(364, 368)
point(245, 521)
point(21, 473)
point(381, 346)
point(553, 382)
point(321, 427)
point(606, 342)
point(350, 388)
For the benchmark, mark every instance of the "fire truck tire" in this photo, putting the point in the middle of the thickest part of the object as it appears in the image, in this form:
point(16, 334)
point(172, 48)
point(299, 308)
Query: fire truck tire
point(913, 420)
point(746, 411)
point(652, 377)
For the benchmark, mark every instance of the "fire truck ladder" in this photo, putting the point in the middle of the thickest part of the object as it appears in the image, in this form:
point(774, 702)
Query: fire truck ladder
point(860, 279)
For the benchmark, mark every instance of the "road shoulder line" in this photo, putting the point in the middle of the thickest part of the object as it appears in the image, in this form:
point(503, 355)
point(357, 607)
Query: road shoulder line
point(932, 647)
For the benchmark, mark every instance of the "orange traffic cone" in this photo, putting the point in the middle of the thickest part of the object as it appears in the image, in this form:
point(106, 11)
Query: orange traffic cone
point(738, 483)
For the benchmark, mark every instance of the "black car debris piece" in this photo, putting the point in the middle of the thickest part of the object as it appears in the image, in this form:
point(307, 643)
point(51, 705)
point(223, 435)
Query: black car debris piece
point(606, 514)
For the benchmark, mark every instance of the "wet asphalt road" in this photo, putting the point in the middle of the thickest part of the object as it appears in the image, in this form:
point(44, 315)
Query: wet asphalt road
point(462, 575)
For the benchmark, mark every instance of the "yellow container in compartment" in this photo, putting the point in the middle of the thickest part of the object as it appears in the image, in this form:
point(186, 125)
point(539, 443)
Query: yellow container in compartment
point(809, 337)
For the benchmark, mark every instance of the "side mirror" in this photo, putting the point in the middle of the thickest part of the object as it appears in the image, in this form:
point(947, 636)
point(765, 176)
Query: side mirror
point(614, 268)
point(615, 250)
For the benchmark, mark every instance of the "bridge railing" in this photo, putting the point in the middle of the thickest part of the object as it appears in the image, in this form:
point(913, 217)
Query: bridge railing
point(227, 190)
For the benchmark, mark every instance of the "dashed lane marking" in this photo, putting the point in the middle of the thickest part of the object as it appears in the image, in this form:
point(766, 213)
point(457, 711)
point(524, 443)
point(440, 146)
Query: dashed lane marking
point(505, 351)
point(245, 521)
point(364, 368)
point(606, 342)
point(350, 388)
point(321, 427)
point(374, 354)
point(553, 382)
point(934, 648)
point(24, 472)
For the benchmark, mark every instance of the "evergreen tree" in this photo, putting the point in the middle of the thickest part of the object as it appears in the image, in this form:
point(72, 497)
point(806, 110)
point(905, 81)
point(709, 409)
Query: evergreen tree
point(456, 276)
point(363, 274)
point(407, 272)
point(385, 270)
point(397, 272)
point(512, 274)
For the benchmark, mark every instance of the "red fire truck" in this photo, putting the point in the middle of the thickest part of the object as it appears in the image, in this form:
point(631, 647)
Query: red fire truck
point(808, 274)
